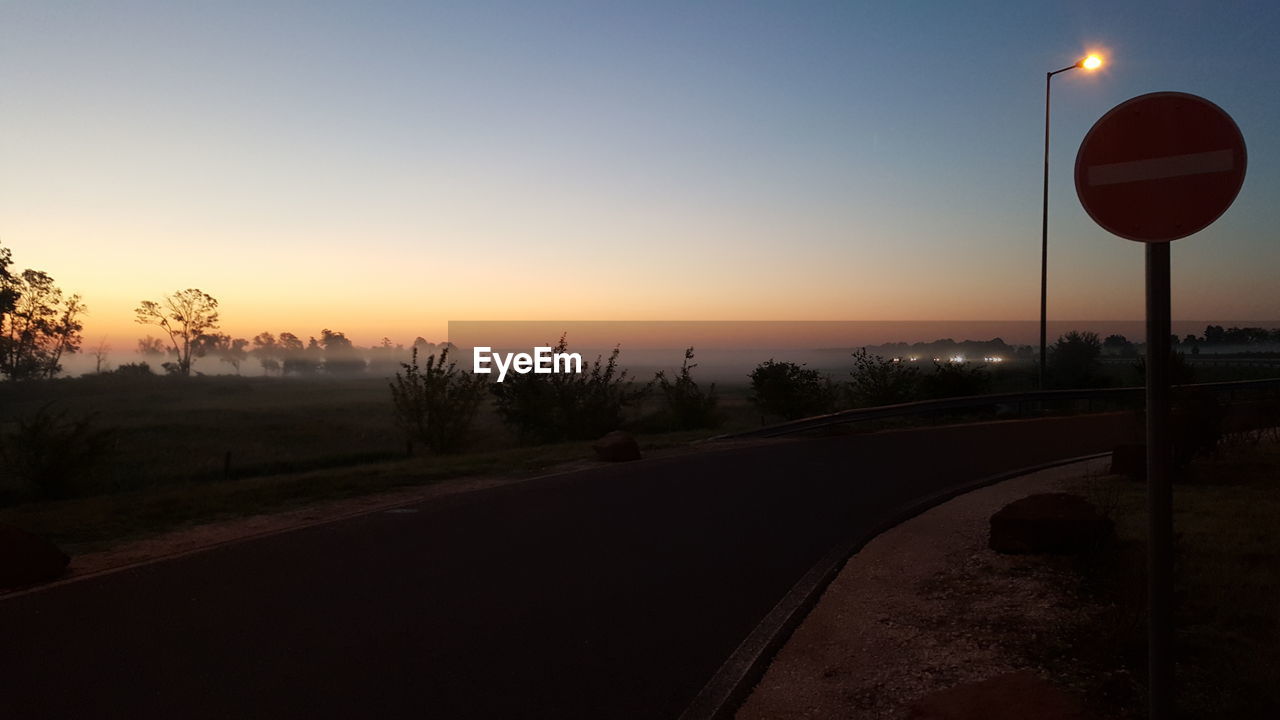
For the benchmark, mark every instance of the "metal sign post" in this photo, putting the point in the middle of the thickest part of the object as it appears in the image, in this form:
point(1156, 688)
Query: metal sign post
point(1158, 168)
point(1159, 487)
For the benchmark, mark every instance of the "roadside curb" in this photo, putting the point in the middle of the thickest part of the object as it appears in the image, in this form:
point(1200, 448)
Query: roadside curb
point(738, 675)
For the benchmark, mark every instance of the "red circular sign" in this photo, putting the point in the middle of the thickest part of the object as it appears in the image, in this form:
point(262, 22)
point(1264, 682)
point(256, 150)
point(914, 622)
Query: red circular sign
point(1161, 166)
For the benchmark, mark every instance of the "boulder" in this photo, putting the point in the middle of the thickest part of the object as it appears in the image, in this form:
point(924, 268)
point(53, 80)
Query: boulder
point(27, 559)
point(1015, 696)
point(1056, 523)
point(617, 446)
point(1130, 459)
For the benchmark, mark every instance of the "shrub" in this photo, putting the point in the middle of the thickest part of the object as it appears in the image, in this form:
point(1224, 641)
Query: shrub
point(567, 406)
point(1180, 371)
point(958, 379)
point(789, 390)
point(1196, 425)
point(687, 406)
point(436, 404)
point(876, 380)
point(1074, 362)
point(48, 452)
point(138, 369)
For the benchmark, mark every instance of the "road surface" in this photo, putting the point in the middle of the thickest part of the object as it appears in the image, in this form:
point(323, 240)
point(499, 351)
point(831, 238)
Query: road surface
point(614, 592)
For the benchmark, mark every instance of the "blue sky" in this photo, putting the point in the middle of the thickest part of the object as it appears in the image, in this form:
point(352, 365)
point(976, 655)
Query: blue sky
point(385, 167)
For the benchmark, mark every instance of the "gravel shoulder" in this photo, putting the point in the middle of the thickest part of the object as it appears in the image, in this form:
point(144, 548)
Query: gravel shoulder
point(924, 606)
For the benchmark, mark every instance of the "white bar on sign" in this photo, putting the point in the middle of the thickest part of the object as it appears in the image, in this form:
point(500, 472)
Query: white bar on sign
point(1162, 167)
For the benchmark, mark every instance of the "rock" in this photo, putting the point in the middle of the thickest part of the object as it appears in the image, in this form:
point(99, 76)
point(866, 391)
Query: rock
point(26, 559)
point(1130, 459)
point(1016, 696)
point(617, 446)
point(1058, 523)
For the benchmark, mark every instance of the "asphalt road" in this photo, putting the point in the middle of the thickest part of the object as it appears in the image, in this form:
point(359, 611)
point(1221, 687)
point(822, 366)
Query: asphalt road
point(607, 593)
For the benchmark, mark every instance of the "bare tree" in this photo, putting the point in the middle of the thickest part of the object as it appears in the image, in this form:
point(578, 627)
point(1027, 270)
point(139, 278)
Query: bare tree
point(100, 356)
point(184, 316)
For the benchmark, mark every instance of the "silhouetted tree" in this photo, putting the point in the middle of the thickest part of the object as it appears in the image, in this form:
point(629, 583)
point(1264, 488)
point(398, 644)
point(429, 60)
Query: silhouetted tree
point(1074, 360)
point(789, 390)
point(184, 316)
point(295, 360)
point(227, 349)
point(688, 407)
point(267, 352)
point(151, 347)
point(339, 354)
point(38, 324)
point(435, 404)
point(956, 379)
point(566, 406)
point(877, 380)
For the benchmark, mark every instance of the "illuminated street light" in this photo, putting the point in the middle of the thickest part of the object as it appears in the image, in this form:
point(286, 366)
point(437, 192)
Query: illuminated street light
point(1089, 62)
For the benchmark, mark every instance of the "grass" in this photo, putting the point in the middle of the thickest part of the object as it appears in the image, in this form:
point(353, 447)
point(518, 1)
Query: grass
point(1227, 584)
point(290, 441)
point(190, 450)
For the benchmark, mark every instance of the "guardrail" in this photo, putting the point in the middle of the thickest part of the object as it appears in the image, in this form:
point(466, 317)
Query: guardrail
point(1016, 401)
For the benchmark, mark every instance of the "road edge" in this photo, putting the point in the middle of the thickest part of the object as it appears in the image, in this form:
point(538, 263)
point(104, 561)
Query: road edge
point(725, 692)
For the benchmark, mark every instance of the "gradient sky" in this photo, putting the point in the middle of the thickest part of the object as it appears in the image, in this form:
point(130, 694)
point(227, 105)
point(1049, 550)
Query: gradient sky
point(383, 167)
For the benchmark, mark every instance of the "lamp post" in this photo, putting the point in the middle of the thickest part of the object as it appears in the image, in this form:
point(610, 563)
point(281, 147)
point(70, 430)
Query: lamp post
point(1090, 62)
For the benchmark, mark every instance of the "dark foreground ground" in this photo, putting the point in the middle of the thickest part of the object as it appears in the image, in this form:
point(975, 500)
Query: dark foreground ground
point(614, 592)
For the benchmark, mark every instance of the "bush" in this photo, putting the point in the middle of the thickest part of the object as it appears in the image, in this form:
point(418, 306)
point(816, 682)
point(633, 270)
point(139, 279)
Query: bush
point(876, 381)
point(1180, 371)
point(687, 406)
point(48, 453)
point(138, 369)
point(790, 391)
point(1074, 362)
point(435, 405)
point(1196, 425)
point(959, 379)
point(567, 406)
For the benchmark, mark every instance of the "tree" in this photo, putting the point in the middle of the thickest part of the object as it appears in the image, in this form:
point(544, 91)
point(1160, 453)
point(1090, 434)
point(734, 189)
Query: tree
point(789, 390)
point(38, 324)
point(151, 347)
point(184, 316)
point(294, 356)
point(1074, 360)
point(689, 407)
point(267, 352)
point(876, 380)
point(339, 354)
point(100, 355)
point(434, 405)
point(227, 349)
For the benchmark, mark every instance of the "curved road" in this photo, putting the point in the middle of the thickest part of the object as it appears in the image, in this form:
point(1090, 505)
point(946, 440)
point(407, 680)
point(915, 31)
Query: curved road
point(614, 592)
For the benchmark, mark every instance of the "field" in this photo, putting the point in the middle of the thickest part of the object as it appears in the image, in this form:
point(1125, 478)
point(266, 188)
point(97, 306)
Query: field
point(181, 451)
point(1227, 620)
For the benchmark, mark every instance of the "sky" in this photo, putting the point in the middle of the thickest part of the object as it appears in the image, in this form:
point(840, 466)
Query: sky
point(381, 168)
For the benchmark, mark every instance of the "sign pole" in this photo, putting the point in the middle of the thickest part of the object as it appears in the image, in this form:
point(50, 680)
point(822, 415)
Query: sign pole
point(1159, 487)
point(1154, 169)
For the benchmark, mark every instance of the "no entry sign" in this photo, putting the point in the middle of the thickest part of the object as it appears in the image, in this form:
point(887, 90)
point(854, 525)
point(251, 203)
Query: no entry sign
point(1160, 167)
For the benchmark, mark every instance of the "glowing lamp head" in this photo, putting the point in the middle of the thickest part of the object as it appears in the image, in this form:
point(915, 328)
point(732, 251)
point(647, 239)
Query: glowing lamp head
point(1092, 62)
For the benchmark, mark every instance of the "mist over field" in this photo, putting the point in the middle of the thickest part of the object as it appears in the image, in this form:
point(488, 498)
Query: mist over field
point(725, 351)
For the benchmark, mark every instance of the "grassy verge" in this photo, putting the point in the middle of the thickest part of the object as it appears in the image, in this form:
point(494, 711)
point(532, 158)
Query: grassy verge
point(1227, 585)
point(93, 523)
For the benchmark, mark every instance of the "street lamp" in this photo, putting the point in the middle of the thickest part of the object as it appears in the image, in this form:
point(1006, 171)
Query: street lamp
point(1089, 62)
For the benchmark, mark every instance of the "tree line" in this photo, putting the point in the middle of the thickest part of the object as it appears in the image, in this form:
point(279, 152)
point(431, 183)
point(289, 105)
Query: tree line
point(189, 320)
